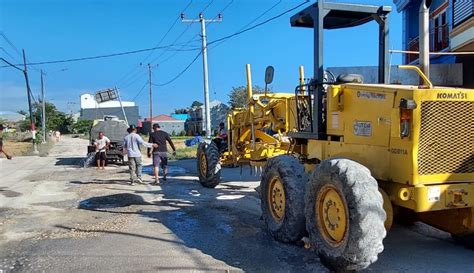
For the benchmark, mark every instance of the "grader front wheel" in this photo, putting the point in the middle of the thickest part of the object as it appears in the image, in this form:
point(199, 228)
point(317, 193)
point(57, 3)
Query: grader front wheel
point(344, 215)
point(208, 164)
point(282, 198)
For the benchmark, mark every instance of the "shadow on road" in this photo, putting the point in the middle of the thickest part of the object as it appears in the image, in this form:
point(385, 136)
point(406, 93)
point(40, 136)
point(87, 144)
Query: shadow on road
point(217, 222)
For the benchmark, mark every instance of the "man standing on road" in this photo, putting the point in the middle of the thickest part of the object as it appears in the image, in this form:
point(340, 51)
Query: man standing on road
point(131, 144)
point(101, 146)
point(2, 151)
point(160, 154)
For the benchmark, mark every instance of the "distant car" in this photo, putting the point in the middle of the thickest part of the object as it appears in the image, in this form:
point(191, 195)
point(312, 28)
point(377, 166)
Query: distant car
point(113, 128)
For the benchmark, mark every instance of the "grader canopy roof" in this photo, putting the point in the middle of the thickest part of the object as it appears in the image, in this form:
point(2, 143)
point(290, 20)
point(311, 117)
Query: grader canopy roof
point(339, 15)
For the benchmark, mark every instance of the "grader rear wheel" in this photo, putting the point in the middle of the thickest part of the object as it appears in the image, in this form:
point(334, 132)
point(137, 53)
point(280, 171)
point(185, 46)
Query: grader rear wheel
point(344, 215)
point(282, 198)
point(208, 165)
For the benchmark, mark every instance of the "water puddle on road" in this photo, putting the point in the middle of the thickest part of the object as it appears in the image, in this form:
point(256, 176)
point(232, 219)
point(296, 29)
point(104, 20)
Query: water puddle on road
point(172, 170)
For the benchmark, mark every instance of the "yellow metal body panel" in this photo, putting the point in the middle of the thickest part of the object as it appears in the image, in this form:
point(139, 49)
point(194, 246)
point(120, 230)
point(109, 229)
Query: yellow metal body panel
point(365, 119)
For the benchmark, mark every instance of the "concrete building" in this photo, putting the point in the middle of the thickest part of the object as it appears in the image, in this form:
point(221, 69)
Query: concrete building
point(451, 29)
point(91, 109)
point(169, 124)
point(196, 122)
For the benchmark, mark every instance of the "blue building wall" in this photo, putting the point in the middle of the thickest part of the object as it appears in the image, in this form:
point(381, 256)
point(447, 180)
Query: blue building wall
point(411, 26)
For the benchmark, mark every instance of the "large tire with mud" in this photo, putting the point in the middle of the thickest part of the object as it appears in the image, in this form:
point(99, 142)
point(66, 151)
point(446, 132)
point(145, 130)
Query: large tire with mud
point(344, 215)
point(282, 198)
point(208, 164)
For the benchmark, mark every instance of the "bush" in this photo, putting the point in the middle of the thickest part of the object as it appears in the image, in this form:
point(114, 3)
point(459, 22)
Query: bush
point(182, 133)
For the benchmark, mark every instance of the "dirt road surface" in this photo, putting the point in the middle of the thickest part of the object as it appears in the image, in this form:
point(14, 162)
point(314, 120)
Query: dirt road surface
point(58, 217)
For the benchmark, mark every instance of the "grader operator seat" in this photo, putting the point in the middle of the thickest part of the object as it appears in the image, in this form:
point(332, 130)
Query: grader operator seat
point(325, 15)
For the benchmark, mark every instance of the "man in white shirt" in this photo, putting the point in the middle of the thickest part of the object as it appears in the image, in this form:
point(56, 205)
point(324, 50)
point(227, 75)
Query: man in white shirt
point(101, 146)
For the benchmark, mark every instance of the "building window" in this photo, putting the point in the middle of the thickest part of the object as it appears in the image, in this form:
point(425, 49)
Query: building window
point(440, 32)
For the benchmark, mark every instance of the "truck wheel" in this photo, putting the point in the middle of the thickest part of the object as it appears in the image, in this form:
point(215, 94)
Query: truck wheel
point(282, 198)
point(344, 215)
point(465, 240)
point(208, 165)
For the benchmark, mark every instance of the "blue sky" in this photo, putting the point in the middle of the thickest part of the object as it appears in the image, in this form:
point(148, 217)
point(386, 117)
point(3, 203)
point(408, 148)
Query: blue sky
point(55, 30)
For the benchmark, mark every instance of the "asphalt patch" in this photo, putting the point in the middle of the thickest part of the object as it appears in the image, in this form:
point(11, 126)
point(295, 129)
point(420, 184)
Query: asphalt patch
point(112, 201)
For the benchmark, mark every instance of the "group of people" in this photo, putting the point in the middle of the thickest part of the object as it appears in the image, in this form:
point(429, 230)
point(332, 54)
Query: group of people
point(156, 146)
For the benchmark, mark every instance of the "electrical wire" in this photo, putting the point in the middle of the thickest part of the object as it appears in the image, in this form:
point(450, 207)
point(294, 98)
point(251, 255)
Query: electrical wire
point(10, 43)
point(8, 54)
point(99, 56)
point(228, 37)
point(140, 91)
point(253, 21)
point(257, 25)
point(15, 49)
point(180, 73)
point(123, 78)
point(182, 33)
point(11, 65)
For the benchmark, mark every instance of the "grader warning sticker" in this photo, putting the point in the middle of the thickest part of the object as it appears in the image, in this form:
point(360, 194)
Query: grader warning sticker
point(434, 194)
point(363, 128)
point(371, 95)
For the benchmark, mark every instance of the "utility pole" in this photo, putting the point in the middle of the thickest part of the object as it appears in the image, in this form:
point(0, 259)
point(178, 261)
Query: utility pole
point(28, 91)
point(121, 105)
point(203, 22)
point(43, 113)
point(151, 97)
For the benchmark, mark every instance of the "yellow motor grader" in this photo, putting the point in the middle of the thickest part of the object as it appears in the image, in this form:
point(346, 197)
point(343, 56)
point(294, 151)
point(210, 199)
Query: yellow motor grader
point(342, 158)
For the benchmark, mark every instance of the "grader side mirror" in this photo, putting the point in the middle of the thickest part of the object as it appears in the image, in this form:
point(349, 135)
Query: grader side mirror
point(268, 77)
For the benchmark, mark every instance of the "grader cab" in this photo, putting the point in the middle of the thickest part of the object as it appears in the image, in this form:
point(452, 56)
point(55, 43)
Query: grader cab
point(354, 156)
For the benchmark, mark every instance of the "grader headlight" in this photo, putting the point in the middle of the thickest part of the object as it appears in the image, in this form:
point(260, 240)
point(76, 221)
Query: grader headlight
point(406, 112)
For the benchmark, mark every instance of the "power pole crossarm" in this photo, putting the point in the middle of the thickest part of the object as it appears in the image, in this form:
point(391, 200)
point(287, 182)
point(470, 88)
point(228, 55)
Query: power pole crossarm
point(203, 22)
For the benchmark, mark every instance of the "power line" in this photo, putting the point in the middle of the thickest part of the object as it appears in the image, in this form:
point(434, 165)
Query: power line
point(14, 48)
point(11, 65)
point(10, 43)
point(9, 55)
point(182, 33)
point(254, 20)
point(140, 90)
point(158, 44)
point(230, 36)
point(180, 73)
point(100, 56)
point(257, 25)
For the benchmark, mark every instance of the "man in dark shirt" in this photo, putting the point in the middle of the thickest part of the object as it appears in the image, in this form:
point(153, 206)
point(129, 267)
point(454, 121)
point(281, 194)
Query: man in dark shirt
point(160, 154)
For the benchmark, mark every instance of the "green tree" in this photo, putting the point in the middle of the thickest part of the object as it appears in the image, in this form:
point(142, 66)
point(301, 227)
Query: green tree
point(55, 119)
point(238, 96)
point(196, 104)
point(181, 111)
point(82, 126)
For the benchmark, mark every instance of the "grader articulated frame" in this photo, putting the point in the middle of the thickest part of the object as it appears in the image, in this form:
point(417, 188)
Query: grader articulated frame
point(354, 156)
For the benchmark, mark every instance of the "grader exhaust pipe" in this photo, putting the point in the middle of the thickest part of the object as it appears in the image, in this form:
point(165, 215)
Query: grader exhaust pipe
point(424, 37)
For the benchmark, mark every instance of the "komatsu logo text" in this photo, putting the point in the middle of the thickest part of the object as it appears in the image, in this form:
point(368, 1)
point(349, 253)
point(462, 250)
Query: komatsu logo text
point(452, 96)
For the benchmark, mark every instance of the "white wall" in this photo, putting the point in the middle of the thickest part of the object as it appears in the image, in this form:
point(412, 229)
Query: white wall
point(88, 102)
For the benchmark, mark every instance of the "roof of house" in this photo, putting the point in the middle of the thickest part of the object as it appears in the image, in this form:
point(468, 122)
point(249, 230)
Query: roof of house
point(165, 118)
